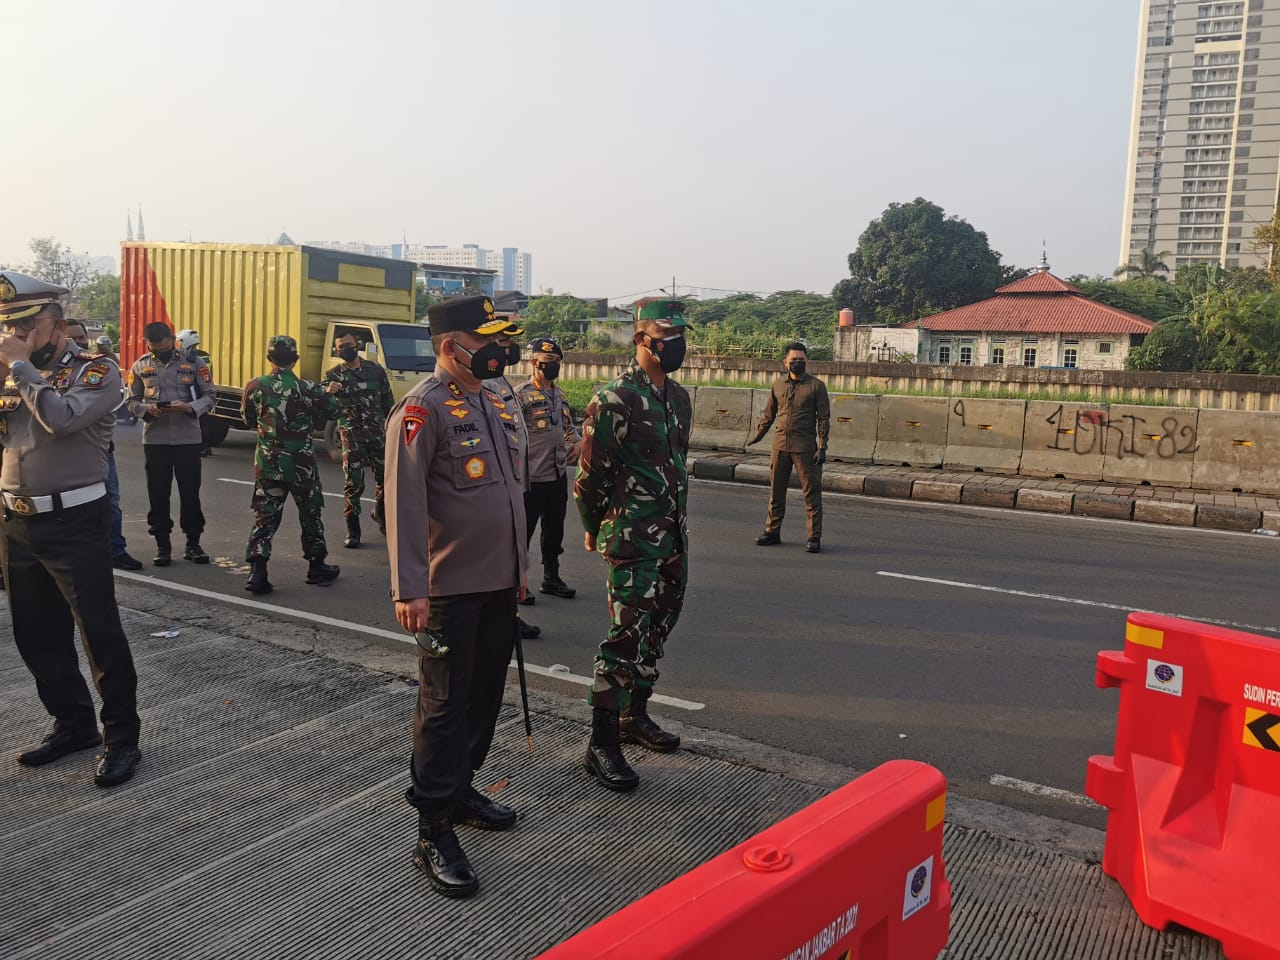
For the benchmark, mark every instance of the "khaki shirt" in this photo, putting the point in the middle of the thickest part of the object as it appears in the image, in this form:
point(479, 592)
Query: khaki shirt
point(552, 435)
point(184, 377)
point(56, 426)
point(454, 492)
point(803, 414)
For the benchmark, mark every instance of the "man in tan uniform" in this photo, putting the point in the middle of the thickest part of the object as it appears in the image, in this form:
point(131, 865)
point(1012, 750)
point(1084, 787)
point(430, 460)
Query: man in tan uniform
point(456, 538)
point(799, 405)
point(57, 414)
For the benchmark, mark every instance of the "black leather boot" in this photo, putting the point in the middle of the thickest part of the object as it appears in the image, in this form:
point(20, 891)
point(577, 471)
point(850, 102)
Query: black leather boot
point(552, 584)
point(353, 533)
point(604, 757)
point(322, 574)
point(635, 726)
point(164, 551)
point(439, 855)
point(258, 582)
point(195, 553)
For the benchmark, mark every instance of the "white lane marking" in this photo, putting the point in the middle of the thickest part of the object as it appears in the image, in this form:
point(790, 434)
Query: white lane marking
point(1085, 603)
point(249, 483)
point(558, 674)
point(1040, 790)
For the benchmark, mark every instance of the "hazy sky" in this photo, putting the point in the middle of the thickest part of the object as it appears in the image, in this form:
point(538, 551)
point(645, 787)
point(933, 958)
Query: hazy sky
point(732, 143)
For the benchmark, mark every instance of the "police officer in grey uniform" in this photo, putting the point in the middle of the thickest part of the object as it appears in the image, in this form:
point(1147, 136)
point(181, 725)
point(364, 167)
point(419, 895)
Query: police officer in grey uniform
point(554, 443)
point(456, 538)
point(170, 390)
point(57, 413)
point(506, 394)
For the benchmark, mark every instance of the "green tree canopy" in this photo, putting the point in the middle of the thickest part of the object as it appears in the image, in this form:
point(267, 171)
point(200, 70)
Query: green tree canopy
point(99, 299)
point(1153, 299)
point(552, 315)
point(916, 260)
point(1172, 345)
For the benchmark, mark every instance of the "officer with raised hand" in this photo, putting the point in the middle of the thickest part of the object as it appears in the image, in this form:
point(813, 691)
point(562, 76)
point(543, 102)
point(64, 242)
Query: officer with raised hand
point(57, 412)
point(170, 391)
point(554, 444)
point(632, 491)
point(456, 538)
point(284, 410)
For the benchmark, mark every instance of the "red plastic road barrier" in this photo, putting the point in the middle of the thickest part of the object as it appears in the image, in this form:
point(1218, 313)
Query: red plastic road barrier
point(859, 874)
point(1194, 787)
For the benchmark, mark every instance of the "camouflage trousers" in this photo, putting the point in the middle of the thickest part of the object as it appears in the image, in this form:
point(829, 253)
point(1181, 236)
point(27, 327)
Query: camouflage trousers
point(358, 451)
point(268, 507)
point(645, 600)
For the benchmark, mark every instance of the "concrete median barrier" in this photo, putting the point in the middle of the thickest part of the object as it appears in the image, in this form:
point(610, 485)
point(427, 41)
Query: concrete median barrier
point(985, 434)
point(1154, 445)
point(722, 418)
point(855, 418)
point(1238, 451)
point(1063, 440)
point(912, 431)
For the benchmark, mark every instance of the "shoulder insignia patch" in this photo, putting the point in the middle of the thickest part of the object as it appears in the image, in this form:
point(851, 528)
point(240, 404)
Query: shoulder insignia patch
point(455, 389)
point(205, 375)
point(96, 372)
point(412, 424)
point(411, 410)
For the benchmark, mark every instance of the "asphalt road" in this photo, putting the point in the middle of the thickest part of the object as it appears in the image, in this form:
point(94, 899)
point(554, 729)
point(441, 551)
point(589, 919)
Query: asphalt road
point(882, 646)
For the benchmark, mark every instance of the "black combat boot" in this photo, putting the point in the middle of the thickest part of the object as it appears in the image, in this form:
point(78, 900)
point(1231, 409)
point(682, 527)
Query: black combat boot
point(195, 553)
point(60, 742)
point(552, 584)
point(258, 582)
point(379, 516)
point(439, 855)
point(322, 574)
point(353, 533)
point(635, 726)
point(164, 551)
point(604, 757)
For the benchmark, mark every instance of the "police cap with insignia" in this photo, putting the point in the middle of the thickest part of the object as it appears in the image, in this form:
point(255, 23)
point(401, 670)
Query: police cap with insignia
point(662, 310)
point(470, 314)
point(22, 296)
point(546, 345)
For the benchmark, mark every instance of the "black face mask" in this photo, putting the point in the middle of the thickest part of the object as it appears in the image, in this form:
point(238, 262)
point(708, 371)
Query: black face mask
point(669, 352)
point(513, 354)
point(550, 370)
point(164, 356)
point(348, 353)
point(487, 362)
point(42, 357)
point(796, 367)
point(283, 358)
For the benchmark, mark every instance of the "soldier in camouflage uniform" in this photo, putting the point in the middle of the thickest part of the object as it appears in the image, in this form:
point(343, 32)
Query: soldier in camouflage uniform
point(285, 410)
point(363, 393)
point(631, 491)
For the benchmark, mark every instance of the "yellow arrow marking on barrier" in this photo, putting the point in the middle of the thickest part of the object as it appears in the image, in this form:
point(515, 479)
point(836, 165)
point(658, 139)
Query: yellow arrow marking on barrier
point(1259, 729)
point(1242, 443)
point(1144, 636)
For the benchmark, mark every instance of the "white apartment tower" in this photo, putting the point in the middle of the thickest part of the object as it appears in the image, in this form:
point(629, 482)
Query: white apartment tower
point(1204, 148)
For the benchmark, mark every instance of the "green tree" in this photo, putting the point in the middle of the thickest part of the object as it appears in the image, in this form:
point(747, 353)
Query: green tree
point(422, 299)
point(1171, 346)
point(553, 314)
point(1148, 265)
point(1266, 238)
point(54, 263)
point(916, 260)
point(99, 299)
point(1153, 299)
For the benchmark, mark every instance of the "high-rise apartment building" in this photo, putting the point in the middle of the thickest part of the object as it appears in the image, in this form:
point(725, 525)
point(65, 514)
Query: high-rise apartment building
point(1204, 150)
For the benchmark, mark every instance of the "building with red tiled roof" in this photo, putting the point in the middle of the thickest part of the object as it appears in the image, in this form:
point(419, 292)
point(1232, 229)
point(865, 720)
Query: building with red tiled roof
point(1038, 321)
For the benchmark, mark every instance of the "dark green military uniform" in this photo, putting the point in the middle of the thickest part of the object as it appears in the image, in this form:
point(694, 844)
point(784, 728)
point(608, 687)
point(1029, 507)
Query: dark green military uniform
point(364, 402)
point(631, 490)
point(285, 411)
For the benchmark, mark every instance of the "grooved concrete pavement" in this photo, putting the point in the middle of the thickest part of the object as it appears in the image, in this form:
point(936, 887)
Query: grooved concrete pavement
point(268, 820)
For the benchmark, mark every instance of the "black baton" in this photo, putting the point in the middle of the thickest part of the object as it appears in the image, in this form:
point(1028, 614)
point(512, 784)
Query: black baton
point(524, 687)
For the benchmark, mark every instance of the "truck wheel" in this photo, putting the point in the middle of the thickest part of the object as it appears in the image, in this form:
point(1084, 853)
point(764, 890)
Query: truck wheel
point(213, 430)
point(332, 443)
